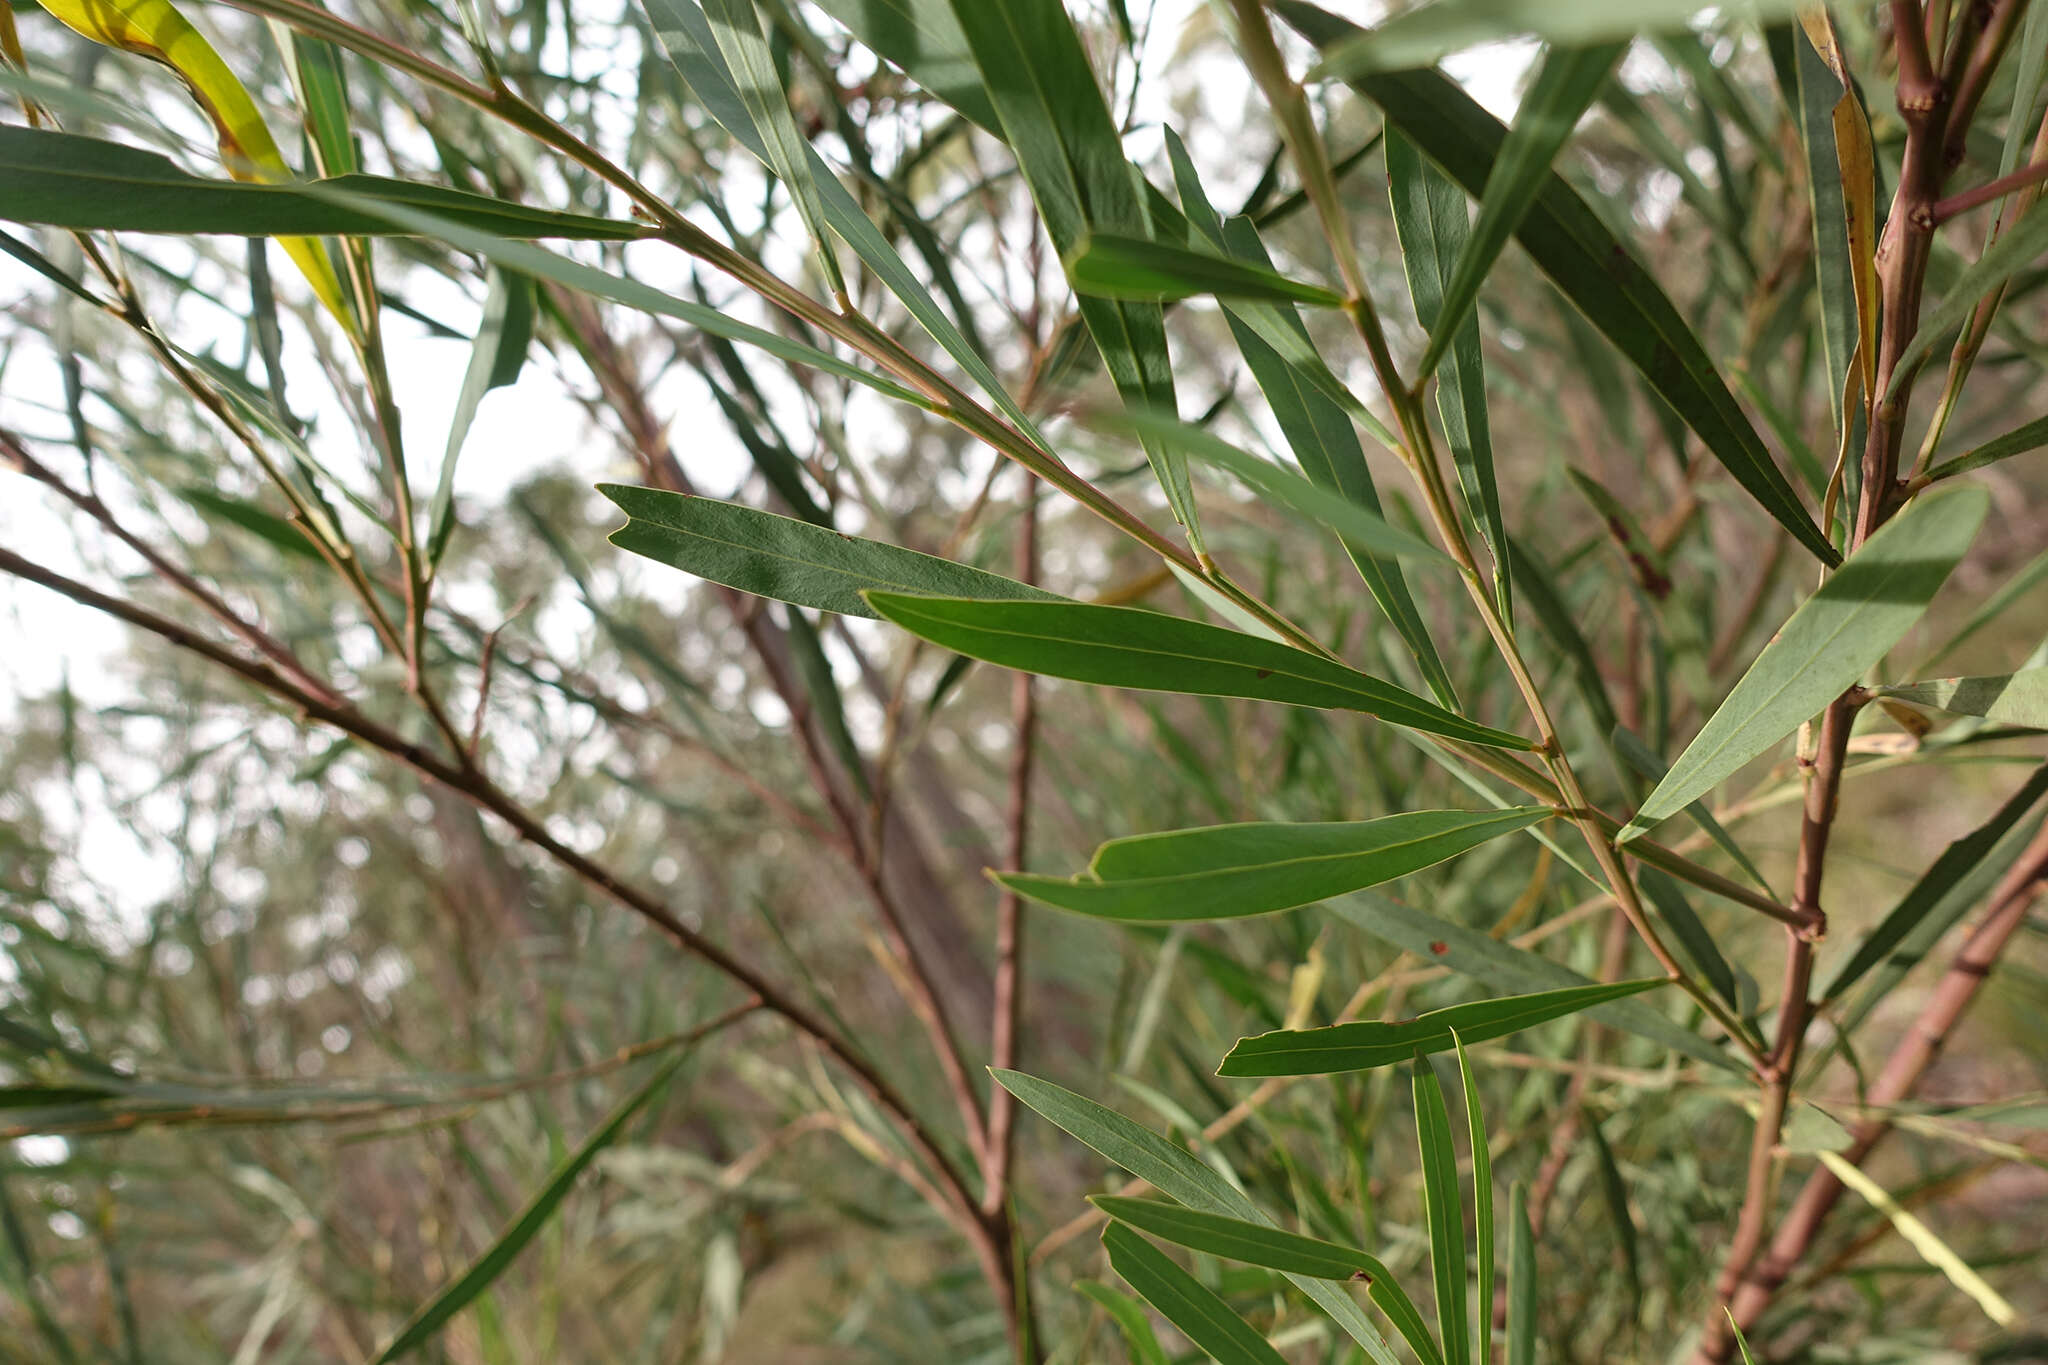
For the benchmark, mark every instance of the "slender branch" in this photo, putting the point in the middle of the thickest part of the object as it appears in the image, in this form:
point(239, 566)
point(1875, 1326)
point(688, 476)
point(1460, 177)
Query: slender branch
point(1909, 1062)
point(1009, 994)
point(1902, 256)
point(89, 503)
point(1958, 204)
point(480, 791)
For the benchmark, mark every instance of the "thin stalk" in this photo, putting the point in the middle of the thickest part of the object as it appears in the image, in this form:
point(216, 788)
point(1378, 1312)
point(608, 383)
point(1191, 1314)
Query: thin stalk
point(1290, 107)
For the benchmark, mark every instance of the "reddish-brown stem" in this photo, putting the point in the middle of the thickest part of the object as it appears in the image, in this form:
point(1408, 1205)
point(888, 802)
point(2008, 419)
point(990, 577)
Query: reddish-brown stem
point(1909, 1061)
point(1924, 106)
point(1009, 994)
point(1957, 204)
point(479, 790)
point(89, 503)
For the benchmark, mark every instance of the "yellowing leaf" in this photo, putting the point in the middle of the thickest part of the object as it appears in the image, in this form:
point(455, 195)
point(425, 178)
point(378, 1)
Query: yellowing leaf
point(156, 30)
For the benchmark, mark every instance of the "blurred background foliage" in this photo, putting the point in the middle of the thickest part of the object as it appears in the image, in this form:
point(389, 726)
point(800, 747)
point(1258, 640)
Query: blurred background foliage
point(343, 1028)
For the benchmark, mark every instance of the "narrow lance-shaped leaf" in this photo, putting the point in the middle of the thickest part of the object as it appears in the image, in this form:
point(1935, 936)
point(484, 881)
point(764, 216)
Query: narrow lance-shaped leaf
point(495, 359)
point(2032, 436)
point(1115, 267)
point(155, 29)
point(1316, 422)
point(1177, 1174)
point(2008, 698)
point(1426, 34)
point(922, 38)
point(785, 559)
point(1129, 1316)
point(1944, 892)
point(1066, 143)
point(546, 265)
point(1238, 1240)
point(737, 28)
point(1443, 1207)
point(1430, 220)
point(1818, 92)
point(1368, 1044)
point(1521, 1340)
point(1263, 1245)
point(1614, 1193)
point(531, 1219)
point(1363, 530)
point(1230, 871)
point(1568, 241)
point(1482, 1199)
point(1863, 609)
point(70, 181)
point(1565, 87)
point(1128, 647)
point(1185, 1301)
point(685, 35)
point(1644, 760)
point(1669, 898)
point(1505, 968)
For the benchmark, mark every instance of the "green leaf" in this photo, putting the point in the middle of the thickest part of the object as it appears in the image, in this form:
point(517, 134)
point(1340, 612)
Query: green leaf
point(1521, 1279)
point(1175, 1173)
point(2018, 441)
point(1127, 647)
point(1944, 893)
point(1568, 241)
point(1443, 1207)
point(531, 1219)
point(1810, 1129)
point(1504, 967)
point(1068, 149)
point(1231, 871)
point(786, 559)
point(495, 359)
point(1130, 1319)
point(2010, 592)
point(1237, 1240)
point(1614, 1193)
point(280, 532)
point(1316, 422)
point(1644, 760)
point(1430, 220)
point(1427, 34)
point(1564, 89)
point(1818, 93)
point(736, 27)
point(1185, 1301)
point(923, 40)
point(1363, 531)
point(1741, 1341)
point(1863, 609)
point(1368, 1044)
point(685, 35)
point(1113, 267)
point(1699, 945)
point(86, 183)
point(2009, 698)
point(814, 671)
point(1482, 1199)
point(1290, 1253)
point(583, 279)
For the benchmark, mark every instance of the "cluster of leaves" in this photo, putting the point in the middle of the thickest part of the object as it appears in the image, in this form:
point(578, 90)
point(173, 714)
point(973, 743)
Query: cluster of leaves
point(1515, 672)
